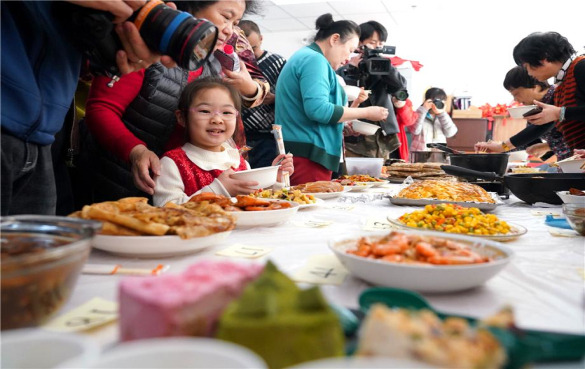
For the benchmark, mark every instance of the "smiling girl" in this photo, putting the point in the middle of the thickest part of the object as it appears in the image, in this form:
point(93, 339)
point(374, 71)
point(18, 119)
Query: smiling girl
point(208, 109)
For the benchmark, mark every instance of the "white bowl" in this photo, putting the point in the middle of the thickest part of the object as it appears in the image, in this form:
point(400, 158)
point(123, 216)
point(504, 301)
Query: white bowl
point(364, 128)
point(571, 199)
point(369, 166)
point(518, 156)
point(352, 92)
point(519, 111)
point(424, 278)
point(266, 217)
point(52, 349)
point(179, 352)
point(571, 166)
point(266, 176)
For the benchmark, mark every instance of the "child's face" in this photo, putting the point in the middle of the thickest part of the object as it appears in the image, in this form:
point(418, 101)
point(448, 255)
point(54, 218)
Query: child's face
point(212, 119)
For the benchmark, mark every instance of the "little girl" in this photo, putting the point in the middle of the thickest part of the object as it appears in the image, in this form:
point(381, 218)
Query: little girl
point(208, 109)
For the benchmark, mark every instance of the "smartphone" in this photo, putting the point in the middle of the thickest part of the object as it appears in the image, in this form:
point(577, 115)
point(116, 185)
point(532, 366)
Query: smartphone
point(529, 113)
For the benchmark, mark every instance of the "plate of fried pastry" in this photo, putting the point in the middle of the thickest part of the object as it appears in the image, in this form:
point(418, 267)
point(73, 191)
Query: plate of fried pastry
point(132, 227)
point(322, 189)
point(249, 211)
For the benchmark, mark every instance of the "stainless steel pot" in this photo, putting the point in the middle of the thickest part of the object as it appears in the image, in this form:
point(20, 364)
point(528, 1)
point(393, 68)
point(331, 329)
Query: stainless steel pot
point(428, 157)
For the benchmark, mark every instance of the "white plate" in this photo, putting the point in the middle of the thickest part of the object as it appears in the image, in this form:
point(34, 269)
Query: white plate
point(318, 202)
point(571, 199)
point(155, 246)
point(329, 195)
point(177, 352)
point(360, 186)
point(363, 362)
point(379, 184)
point(424, 278)
point(516, 230)
point(266, 217)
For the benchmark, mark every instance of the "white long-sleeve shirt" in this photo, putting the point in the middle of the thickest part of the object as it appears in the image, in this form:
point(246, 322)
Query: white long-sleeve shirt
point(426, 130)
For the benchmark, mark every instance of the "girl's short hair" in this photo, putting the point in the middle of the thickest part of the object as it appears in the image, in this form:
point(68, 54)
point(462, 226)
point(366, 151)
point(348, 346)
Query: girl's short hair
point(519, 77)
point(540, 46)
point(194, 88)
point(435, 93)
point(326, 27)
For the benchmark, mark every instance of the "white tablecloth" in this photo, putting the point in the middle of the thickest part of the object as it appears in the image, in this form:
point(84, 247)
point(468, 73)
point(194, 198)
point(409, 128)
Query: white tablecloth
point(544, 283)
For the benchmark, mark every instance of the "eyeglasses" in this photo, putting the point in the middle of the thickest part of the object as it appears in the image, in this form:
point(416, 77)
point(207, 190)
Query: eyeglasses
point(226, 113)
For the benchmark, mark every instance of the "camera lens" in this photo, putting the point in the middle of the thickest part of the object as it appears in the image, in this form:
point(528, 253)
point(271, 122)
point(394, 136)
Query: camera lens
point(439, 103)
point(401, 95)
point(187, 40)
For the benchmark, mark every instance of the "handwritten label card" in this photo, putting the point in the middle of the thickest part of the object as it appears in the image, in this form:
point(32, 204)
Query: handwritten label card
point(243, 251)
point(322, 269)
point(544, 212)
point(344, 207)
point(312, 223)
point(93, 313)
point(559, 232)
point(376, 224)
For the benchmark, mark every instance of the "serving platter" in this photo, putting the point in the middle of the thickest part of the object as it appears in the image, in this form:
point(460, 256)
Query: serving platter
point(318, 202)
point(516, 230)
point(360, 186)
point(423, 277)
point(468, 204)
point(265, 218)
point(328, 195)
point(155, 246)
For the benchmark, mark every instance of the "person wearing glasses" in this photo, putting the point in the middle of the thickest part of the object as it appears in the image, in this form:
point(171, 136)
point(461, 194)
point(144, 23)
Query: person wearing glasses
point(208, 109)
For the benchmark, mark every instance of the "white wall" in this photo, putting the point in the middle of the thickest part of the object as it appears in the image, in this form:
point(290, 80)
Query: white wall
point(467, 48)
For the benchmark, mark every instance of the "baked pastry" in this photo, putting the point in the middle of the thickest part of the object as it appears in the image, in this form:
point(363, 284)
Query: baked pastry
point(421, 335)
point(320, 186)
point(186, 304)
point(281, 323)
point(449, 191)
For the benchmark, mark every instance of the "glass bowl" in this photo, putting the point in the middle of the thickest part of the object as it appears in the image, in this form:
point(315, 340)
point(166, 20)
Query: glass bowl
point(575, 214)
point(42, 257)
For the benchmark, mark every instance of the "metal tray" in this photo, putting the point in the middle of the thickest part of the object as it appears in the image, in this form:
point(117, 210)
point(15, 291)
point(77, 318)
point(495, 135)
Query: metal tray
point(468, 204)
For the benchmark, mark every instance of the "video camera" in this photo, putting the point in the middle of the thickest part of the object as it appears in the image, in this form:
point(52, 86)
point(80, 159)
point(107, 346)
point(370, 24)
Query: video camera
point(186, 39)
point(373, 64)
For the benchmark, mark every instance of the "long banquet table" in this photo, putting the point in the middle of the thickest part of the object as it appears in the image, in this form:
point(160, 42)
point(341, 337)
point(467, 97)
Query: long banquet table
point(544, 283)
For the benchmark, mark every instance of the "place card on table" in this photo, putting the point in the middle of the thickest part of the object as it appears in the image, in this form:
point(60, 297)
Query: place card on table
point(559, 232)
point(544, 212)
point(321, 269)
point(94, 313)
point(312, 223)
point(244, 251)
point(377, 224)
point(344, 207)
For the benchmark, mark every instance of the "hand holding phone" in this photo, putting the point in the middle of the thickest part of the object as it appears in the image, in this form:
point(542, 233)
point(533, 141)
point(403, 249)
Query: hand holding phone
point(534, 111)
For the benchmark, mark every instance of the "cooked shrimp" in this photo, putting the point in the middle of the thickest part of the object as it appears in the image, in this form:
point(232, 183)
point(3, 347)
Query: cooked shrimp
point(244, 201)
point(425, 249)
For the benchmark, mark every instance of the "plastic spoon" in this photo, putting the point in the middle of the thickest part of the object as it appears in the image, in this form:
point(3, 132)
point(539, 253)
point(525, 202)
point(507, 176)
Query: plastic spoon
point(523, 346)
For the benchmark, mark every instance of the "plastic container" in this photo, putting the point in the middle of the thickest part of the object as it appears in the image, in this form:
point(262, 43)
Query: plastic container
point(228, 58)
point(575, 214)
point(369, 166)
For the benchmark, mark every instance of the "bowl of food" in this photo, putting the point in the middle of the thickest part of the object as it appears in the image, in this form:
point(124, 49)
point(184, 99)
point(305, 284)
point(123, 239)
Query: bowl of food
point(265, 176)
point(364, 128)
point(572, 165)
point(518, 112)
point(575, 214)
point(369, 166)
point(421, 260)
point(42, 257)
point(573, 196)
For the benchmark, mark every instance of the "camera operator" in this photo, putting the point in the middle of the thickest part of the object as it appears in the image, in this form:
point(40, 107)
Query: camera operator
point(388, 90)
point(40, 69)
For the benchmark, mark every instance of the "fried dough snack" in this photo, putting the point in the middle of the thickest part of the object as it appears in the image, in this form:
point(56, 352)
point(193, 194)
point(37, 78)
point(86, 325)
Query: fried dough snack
point(242, 203)
point(320, 186)
point(133, 216)
point(450, 191)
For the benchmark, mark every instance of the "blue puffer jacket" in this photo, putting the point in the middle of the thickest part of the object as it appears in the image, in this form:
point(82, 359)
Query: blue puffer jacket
point(40, 69)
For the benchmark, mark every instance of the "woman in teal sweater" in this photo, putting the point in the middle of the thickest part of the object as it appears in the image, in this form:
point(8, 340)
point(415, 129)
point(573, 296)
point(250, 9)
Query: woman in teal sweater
point(310, 102)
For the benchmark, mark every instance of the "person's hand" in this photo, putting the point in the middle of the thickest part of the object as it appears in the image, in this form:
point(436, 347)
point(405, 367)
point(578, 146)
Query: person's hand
point(235, 186)
point(355, 60)
point(491, 146)
point(548, 114)
point(363, 96)
point(348, 130)
point(428, 104)
point(144, 161)
point(286, 165)
point(580, 152)
point(398, 103)
point(241, 80)
point(436, 110)
point(375, 113)
point(538, 150)
point(121, 9)
point(270, 98)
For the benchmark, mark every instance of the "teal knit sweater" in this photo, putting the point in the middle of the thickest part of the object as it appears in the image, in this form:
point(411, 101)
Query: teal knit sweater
point(309, 104)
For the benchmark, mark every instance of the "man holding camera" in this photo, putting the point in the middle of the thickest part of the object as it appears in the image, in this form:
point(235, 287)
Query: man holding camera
point(40, 69)
point(388, 89)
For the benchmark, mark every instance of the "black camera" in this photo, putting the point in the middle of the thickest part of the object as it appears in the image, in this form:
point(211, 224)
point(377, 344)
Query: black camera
point(188, 40)
point(439, 104)
point(373, 64)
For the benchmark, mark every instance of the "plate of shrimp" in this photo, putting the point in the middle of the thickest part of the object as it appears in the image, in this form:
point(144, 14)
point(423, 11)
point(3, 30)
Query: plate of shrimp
point(421, 261)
